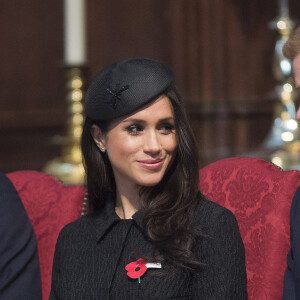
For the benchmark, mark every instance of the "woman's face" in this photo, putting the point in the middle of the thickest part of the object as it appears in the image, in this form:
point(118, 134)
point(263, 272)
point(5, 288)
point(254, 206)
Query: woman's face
point(140, 146)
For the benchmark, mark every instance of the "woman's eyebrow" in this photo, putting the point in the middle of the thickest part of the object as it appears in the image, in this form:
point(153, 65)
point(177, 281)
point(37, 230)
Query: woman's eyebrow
point(134, 120)
point(167, 119)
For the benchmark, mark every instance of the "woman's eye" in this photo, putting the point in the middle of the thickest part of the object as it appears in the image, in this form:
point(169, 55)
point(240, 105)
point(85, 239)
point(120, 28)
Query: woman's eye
point(166, 128)
point(134, 129)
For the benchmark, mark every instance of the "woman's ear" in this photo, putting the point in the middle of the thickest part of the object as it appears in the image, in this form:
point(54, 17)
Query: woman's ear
point(98, 136)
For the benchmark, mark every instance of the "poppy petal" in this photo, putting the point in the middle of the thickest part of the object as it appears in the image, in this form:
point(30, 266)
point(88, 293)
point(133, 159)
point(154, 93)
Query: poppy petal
point(134, 274)
point(136, 269)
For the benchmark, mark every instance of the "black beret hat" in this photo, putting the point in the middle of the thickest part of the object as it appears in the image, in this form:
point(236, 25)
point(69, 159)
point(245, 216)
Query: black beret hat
point(125, 86)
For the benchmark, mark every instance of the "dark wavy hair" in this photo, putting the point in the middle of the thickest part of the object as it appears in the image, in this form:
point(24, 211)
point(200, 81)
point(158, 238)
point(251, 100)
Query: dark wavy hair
point(169, 207)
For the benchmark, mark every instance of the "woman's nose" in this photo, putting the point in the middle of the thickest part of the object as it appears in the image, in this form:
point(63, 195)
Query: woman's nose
point(152, 143)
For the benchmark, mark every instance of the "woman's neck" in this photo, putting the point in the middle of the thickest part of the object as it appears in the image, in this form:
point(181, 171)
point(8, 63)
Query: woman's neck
point(127, 202)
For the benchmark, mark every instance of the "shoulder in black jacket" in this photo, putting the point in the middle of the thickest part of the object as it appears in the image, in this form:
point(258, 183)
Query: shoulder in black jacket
point(91, 255)
point(19, 264)
point(291, 288)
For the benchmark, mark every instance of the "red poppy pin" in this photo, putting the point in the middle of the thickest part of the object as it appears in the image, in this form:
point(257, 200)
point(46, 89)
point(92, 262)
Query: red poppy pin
point(136, 269)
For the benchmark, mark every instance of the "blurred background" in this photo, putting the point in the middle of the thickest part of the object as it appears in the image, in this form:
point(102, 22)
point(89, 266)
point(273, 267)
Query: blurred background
point(222, 53)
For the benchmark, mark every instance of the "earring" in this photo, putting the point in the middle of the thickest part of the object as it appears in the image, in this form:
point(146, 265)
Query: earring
point(102, 150)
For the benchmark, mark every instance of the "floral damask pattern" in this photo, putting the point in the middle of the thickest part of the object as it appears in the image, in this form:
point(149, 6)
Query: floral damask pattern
point(257, 192)
point(247, 187)
point(50, 205)
point(260, 195)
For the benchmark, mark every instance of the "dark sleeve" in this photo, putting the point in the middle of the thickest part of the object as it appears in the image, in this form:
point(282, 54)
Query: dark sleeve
point(56, 284)
point(19, 264)
point(66, 257)
point(291, 287)
point(222, 251)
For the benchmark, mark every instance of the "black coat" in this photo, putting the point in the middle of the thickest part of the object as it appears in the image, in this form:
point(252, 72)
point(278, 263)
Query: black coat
point(19, 265)
point(291, 287)
point(91, 255)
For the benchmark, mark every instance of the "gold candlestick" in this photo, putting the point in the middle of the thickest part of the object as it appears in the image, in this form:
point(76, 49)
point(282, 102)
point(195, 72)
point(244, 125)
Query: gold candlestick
point(282, 144)
point(68, 168)
point(283, 140)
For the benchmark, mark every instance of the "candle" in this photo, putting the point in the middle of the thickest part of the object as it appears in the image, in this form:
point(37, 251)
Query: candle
point(74, 33)
point(284, 8)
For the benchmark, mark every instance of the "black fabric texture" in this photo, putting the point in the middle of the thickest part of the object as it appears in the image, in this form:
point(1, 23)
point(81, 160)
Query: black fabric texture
point(125, 86)
point(291, 285)
point(19, 264)
point(91, 255)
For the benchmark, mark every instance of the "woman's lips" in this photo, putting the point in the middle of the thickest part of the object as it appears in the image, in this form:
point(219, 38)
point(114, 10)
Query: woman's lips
point(151, 164)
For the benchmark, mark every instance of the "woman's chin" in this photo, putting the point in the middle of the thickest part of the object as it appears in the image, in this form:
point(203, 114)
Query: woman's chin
point(149, 183)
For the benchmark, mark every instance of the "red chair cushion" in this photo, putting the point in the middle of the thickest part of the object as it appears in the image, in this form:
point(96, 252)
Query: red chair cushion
point(257, 192)
point(50, 205)
point(260, 195)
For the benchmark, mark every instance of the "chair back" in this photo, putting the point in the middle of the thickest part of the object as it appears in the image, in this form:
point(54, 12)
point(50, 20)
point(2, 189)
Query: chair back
point(260, 195)
point(256, 191)
point(50, 205)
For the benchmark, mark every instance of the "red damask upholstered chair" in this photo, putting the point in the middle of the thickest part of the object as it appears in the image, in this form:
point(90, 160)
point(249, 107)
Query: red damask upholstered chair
point(50, 205)
point(260, 195)
point(257, 192)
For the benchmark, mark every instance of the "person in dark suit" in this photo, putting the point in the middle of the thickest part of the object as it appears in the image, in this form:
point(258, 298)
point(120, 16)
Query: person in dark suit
point(150, 233)
point(19, 265)
point(291, 289)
